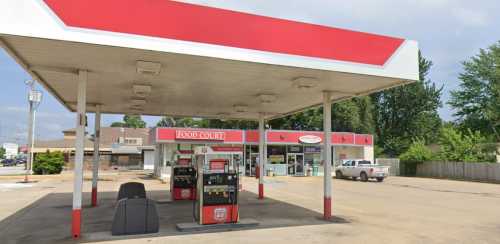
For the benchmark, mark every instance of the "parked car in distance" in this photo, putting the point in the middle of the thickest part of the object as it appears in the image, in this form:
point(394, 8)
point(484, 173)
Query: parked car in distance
point(9, 162)
point(20, 160)
point(362, 169)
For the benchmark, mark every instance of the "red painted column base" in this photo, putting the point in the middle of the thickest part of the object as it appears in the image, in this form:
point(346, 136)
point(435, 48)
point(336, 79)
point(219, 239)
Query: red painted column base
point(94, 196)
point(327, 211)
point(76, 223)
point(261, 191)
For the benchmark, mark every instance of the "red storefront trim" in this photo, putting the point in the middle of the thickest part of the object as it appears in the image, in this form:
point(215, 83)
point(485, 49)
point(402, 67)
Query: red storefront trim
point(274, 137)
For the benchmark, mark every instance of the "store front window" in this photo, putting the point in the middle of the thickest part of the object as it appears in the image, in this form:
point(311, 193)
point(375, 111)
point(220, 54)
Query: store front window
point(276, 160)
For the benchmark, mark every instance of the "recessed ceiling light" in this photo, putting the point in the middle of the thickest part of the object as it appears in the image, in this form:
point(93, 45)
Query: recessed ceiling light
point(240, 108)
point(138, 102)
point(222, 114)
point(148, 68)
point(267, 98)
point(141, 90)
point(303, 82)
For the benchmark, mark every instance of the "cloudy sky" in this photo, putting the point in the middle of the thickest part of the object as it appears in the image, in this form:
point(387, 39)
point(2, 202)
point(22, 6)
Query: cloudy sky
point(448, 32)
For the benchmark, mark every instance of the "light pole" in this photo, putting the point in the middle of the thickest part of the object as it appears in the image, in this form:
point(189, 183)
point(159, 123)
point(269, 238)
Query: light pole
point(34, 99)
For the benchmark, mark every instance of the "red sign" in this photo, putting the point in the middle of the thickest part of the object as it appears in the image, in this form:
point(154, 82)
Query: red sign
point(227, 149)
point(185, 151)
point(200, 135)
point(218, 164)
point(184, 161)
point(220, 214)
point(228, 137)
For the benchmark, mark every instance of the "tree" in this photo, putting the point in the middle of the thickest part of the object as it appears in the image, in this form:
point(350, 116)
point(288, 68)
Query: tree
point(407, 112)
point(464, 147)
point(2, 152)
point(130, 121)
point(477, 101)
point(353, 115)
point(310, 119)
point(168, 121)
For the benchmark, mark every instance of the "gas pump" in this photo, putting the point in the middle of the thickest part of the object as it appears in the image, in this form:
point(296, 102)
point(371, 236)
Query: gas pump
point(183, 180)
point(217, 185)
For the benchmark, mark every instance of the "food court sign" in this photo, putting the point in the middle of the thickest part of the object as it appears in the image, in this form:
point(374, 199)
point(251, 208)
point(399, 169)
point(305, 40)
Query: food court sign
point(200, 135)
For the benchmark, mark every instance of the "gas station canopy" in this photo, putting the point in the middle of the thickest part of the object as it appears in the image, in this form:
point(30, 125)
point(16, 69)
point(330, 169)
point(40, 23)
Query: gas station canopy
point(174, 58)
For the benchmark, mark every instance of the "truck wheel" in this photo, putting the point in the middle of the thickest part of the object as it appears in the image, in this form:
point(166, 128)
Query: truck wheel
point(380, 179)
point(363, 177)
point(338, 174)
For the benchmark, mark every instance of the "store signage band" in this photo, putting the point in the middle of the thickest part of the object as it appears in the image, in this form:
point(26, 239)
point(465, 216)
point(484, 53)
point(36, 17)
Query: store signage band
point(200, 135)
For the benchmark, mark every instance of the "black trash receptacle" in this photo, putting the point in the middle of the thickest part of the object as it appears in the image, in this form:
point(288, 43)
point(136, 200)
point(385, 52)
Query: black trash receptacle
point(131, 190)
point(135, 216)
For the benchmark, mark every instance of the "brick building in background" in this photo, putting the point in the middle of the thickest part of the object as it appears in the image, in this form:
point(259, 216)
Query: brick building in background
point(128, 148)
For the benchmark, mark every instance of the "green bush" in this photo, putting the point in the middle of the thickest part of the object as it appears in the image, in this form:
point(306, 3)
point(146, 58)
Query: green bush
point(48, 163)
point(418, 152)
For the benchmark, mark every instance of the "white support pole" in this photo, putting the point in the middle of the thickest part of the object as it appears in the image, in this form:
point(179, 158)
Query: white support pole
point(158, 160)
point(262, 154)
point(79, 153)
point(31, 116)
point(327, 150)
point(95, 165)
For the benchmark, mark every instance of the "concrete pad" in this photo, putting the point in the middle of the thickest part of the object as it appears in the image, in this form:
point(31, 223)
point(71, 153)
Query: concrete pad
point(196, 227)
point(399, 210)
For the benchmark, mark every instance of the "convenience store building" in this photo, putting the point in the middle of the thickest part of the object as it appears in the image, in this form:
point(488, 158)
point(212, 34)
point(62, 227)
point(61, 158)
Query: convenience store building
point(288, 152)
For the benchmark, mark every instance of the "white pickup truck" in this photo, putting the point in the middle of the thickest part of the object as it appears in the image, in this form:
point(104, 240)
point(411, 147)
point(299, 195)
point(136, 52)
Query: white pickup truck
point(364, 169)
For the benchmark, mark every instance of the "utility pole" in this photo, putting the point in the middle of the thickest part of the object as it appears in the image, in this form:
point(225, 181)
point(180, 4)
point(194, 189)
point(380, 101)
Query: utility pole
point(34, 99)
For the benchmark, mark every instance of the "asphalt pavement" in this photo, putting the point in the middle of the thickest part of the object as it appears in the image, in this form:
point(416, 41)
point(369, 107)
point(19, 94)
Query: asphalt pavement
point(12, 170)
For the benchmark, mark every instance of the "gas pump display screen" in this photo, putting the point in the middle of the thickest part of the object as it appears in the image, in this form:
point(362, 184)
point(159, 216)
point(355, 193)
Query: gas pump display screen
point(184, 177)
point(220, 189)
point(188, 171)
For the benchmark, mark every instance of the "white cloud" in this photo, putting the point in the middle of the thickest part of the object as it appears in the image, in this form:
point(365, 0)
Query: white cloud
point(14, 109)
point(470, 17)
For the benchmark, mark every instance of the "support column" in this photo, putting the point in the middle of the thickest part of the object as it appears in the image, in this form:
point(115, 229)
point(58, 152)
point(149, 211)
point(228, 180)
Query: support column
point(79, 152)
point(262, 154)
point(157, 161)
point(327, 155)
point(95, 165)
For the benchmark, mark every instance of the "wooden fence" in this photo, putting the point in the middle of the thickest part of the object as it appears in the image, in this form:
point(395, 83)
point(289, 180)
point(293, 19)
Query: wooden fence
point(393, 163)
point(488, 172)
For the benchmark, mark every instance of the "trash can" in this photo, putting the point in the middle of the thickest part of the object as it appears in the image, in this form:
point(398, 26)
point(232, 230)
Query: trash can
point(309, 171)
point(315, 170)
point(270, 172)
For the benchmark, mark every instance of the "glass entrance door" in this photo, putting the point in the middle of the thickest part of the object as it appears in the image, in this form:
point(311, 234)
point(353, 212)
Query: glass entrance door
point(250, 165)
point(299, 165)
point(295, 162)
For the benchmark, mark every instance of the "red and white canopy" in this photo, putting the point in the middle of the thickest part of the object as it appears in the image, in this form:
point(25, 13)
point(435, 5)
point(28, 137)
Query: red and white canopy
point(197, 60)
